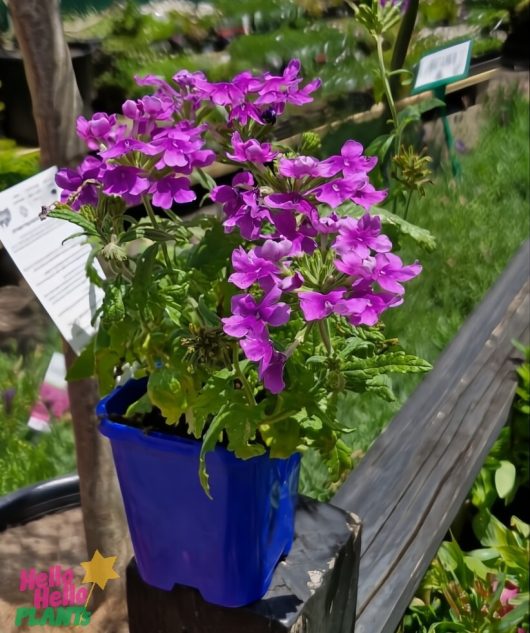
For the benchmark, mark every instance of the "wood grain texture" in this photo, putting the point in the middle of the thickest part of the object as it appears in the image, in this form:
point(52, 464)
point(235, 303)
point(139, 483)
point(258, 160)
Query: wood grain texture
point(411, 483)
point(313, 590)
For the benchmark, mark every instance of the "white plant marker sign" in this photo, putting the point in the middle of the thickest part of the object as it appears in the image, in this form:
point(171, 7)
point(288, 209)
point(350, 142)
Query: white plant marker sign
point(54, 271)
point(443, 66)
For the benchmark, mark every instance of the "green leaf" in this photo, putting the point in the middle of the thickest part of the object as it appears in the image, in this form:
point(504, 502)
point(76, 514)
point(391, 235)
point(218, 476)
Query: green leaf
point(393, 362)
point(477, 567)
point(282, 438)
point(381, 385)
point(141, 406)
point(113, 306)
point(171, 391)
point(380, 146)
point(522, 527)
point(84, 366)
point(208, 444)
point(75, 218)
point(505, 478)
point(144, 269)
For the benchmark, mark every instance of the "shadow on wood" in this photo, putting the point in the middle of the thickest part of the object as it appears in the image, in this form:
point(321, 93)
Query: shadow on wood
point(313, 590)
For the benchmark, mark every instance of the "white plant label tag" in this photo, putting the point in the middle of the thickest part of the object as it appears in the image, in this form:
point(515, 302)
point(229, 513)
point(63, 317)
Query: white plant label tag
point(443, 66)
point(54, 271)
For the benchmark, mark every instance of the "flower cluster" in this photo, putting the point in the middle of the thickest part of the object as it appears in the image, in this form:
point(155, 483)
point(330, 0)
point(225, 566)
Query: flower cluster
point(307, 258)
point(289, 207)
point(152, 151)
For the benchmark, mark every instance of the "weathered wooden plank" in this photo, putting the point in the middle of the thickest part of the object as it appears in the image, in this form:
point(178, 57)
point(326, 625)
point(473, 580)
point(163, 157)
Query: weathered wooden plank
point(413, 480)
point(313, 590)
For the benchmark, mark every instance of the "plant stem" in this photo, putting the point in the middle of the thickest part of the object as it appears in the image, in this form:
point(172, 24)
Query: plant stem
point(242, 377)
point(278, 417)
point(154, 222)
point(323, 328)
point(388, 91)
point(407, 205)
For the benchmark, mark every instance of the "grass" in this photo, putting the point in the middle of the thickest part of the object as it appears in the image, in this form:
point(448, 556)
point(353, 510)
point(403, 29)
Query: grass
point(26, 456)
point(479, 224)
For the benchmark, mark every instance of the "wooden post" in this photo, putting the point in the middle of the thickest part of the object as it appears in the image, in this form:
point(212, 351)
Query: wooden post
point(56, 105)
point(314, 590)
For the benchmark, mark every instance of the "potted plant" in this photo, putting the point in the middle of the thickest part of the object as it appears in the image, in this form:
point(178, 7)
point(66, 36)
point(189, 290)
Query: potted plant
point(242, 330)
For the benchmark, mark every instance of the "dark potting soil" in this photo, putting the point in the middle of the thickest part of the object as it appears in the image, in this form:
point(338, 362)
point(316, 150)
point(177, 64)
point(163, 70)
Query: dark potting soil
point(150, 422)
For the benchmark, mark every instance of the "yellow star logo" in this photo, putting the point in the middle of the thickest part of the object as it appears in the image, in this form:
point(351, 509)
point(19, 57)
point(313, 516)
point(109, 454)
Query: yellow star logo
point(99, 569)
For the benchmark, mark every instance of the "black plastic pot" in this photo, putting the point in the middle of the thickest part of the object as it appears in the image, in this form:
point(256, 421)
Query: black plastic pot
point(14, 92)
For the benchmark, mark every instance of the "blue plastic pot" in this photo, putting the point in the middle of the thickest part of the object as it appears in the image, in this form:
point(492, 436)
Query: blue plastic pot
point(228, 547)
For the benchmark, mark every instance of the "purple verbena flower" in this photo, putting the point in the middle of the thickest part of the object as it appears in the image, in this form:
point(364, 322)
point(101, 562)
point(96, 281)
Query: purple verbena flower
point(124, 181)
point(171, 189)
point(351, 161)
point(250, 151)
point(316, 305)
point(299, 167)
point(271, 362)
point(361, 235)
point(251, 317)
point(101, 129)
point(251, 269)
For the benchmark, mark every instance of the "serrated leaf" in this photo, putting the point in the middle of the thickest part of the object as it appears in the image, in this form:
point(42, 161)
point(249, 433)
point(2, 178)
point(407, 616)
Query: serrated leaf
point(171, 391)
point(208, 444)
point(394, 362)
point(74, 218)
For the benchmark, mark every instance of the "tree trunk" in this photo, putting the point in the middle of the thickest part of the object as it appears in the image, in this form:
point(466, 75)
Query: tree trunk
point(56, 105)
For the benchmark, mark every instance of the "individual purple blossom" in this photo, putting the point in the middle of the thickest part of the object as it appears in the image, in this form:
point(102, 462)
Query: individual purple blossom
point(125, 181)
point(299, 167)
point(291, 201)
point(358, 189)
point(361, 235)
point(386, 269)
point(80, 181)
point(161, 85)
point(316, 305)
point(389, 271)
point(251, 151)
point(271, 372)
point(242, 210)
point(367, 196)
point(127, 145)
point(181, 148)
point(366, 307)
point(171, 189)
point(101, 129)
point(251, 269)
point(244, 112)
point(251, 317)
point(274, 250)
point(335, 192)
point(351, 161)
point(271, 362)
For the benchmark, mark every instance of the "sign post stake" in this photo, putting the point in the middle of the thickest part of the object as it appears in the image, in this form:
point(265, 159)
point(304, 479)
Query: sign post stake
point(456, 167)
point(56, 105)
